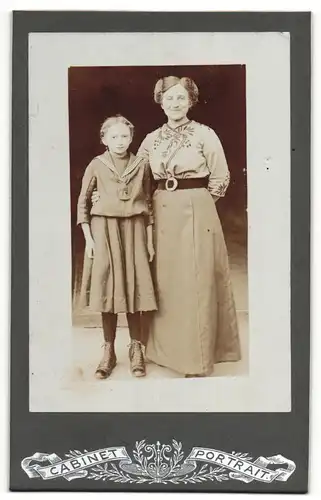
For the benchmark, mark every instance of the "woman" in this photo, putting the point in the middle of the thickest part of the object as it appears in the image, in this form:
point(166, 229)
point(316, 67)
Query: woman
point(195, 325)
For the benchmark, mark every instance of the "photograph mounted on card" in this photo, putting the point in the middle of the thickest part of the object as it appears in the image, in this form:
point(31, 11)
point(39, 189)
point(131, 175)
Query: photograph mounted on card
point(154, 195)
point(154, 256)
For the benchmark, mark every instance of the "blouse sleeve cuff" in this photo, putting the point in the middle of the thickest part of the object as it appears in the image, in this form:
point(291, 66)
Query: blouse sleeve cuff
point(83, 219)
point(217, 193)
point(219, 186)
point(149, 220)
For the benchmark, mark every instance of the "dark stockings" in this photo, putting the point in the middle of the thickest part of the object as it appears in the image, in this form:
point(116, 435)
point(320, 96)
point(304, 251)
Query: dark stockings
point(110, 324)
point(134, 325)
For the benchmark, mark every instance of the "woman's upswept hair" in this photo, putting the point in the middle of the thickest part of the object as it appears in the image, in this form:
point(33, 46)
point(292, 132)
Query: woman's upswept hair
point(167, 82)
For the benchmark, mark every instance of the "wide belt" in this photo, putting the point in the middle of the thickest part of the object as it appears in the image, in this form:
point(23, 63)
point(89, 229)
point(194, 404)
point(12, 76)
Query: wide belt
point(172, 183)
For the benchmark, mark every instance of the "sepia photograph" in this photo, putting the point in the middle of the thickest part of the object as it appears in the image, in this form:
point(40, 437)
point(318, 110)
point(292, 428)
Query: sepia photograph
point(154, 254)
point(150, 263)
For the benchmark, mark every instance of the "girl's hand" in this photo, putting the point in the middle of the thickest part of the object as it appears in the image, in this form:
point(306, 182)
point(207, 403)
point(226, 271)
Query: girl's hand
point(150, 245)
point(151, 251)
point(90, 248)
point(95, 197)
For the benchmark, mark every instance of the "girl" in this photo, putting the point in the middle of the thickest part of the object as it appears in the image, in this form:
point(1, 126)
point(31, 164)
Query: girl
point(118, 235)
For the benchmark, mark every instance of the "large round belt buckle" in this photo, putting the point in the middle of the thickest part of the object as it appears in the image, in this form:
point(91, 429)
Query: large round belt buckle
point(171, 184)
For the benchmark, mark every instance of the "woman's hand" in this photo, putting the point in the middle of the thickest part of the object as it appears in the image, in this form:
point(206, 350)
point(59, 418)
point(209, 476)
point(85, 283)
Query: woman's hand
point(90, 247)
point(150, 245)
point(95, 197)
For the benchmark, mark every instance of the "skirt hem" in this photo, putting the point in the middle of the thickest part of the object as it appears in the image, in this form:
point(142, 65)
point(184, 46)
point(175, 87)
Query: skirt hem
point(205, 373)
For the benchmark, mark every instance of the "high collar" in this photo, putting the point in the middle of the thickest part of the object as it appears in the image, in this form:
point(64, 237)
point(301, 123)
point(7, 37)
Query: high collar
point(179, 128)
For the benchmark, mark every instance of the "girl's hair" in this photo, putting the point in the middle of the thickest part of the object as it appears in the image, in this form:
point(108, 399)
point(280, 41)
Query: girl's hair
point(169, 81)
point(113, 120)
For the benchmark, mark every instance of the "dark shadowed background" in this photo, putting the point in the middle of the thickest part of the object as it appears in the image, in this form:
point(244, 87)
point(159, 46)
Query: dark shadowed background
point(98, 92)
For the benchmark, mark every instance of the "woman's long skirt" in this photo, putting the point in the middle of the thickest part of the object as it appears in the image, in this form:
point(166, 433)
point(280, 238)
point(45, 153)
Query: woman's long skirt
point(195, 325)
point(118, 279)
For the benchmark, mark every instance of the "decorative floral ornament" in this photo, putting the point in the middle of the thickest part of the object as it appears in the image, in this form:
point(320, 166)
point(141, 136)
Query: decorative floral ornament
point(157, 463)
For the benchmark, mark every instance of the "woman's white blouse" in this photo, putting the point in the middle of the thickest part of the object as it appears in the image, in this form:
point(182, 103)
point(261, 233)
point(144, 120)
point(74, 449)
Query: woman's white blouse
point(190, 150)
